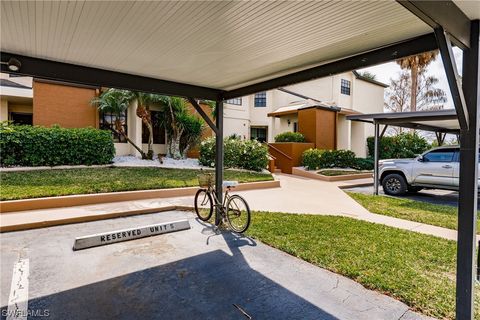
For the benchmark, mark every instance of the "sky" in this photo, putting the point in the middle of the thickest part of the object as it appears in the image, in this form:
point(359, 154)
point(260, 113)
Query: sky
point(384, 72)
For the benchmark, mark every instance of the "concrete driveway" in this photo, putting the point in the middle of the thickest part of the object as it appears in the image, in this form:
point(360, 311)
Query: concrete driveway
point(193, 274)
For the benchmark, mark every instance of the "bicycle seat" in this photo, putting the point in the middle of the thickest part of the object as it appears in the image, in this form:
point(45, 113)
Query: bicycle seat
point(230, 184)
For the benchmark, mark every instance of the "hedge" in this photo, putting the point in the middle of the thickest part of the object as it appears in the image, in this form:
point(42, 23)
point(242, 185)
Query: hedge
point(41, 146)
point(289, 137)
point(314, 159)
point(403, 145)
point(244, 154)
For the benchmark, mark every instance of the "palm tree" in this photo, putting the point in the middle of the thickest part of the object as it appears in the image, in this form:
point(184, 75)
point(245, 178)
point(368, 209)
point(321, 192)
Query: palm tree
point(173, 107)
point(144, 101)
point(415, 64)
point(116, 101)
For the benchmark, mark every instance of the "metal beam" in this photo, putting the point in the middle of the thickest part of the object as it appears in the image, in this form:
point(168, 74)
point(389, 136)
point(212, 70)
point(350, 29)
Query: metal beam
point(385, 127)
point(205, 116)
point(468, 190)
point(219, 159)
point(376, 158)
point(444, 14)
point(388, 53)
point(65, 72)
point(453, 78)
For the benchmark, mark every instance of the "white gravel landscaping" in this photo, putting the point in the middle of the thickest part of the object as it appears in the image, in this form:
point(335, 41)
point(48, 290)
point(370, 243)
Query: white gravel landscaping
point(131, 161)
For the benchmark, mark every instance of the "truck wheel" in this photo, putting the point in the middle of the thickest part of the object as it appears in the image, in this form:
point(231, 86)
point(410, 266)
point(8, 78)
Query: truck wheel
point(394, 184)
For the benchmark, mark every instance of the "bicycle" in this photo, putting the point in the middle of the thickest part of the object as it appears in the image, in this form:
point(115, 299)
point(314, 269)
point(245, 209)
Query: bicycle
point(234, 209)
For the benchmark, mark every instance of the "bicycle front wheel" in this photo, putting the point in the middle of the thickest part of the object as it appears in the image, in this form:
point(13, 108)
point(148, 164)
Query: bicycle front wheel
point(203, 204)
point(238, 214)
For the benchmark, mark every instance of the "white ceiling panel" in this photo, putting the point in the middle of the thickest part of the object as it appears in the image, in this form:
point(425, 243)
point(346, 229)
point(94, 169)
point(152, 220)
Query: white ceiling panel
point(217, 44)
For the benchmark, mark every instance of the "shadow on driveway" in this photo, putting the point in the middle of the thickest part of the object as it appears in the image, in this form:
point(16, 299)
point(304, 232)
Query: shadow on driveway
point(211, 285)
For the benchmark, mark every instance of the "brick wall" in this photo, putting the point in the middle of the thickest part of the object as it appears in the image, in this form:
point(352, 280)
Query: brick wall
point(65, 105)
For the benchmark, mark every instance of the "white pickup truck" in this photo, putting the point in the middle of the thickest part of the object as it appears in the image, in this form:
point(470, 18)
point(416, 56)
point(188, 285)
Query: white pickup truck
point(435, 169)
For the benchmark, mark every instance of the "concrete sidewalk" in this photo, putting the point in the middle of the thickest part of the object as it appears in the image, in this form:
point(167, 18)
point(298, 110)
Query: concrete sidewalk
point(296, 195)
point(192, 274)
point(308, 196)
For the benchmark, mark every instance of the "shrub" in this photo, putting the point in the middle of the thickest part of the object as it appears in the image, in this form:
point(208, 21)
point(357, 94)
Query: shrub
point(245, 154)
point(363, 164)
point(40, 146)
point(289, 137)
point(314, 159)
point(403, 145)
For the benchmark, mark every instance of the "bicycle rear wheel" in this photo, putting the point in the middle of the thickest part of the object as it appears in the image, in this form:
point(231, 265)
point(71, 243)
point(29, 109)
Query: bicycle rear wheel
point(203, 204)
point(238, 214)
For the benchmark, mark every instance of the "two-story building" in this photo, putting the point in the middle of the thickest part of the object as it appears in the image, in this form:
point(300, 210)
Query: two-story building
point(264, 115)
point(316, 108)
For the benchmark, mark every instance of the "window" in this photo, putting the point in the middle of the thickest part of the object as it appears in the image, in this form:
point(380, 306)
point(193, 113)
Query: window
point(235, 101)
point(439, 155)
point(158, 129)
point(295, 127)
point(457, 155)
point(21, 118)
point(107, 122)
point(261, 99)
point(345, 87)
point(259, 134)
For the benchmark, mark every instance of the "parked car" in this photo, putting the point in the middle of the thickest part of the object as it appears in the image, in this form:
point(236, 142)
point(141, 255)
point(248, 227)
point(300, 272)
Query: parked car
point(435, 169)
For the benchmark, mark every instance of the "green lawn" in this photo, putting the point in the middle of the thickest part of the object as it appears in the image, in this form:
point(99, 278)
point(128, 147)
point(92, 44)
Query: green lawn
point(47, 183)
point(434, 214)
point(415, 268)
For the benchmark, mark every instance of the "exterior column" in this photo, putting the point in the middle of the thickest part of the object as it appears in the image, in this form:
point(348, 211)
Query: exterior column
point(467, 202)
point(219, 158)
point(376, 157)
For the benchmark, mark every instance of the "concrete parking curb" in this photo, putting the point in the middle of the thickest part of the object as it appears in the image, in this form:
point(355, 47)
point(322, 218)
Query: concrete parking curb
point(89, 218)
point(299, 171)
point(85, 199)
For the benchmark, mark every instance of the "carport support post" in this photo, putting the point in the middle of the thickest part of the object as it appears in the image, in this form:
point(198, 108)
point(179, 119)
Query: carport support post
point(219, 157)
point(376, 157)
point(467, 202)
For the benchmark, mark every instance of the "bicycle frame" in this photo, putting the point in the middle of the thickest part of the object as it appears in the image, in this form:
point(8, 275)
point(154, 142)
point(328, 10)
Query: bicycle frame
point(220, 207)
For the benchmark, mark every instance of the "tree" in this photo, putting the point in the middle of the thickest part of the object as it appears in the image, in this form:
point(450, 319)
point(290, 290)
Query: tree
point(192, 133)
point(116, 101)
point(368, 75)
point(416, 64)
point(144, 102)
point(428, 96)
point(183, 129)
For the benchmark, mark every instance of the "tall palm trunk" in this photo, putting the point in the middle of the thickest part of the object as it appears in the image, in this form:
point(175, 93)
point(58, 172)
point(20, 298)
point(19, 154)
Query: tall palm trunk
point(144, 114)
point(119, 130)
point(414, 88)
point(174, 143)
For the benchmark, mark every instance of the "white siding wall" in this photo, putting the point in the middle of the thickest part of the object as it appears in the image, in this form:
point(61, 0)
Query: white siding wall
point(3, 110)
point(237, 119)
point(343, 133)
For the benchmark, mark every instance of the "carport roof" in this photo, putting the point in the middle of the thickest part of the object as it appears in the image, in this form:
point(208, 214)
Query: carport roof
point(216, 46)
point(445, 121)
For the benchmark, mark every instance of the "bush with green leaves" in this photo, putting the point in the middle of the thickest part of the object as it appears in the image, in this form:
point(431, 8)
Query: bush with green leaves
point(244, 154)
point(41, 146)
point(314, 159)
point(290, 137)
point(403, 145)
point(363, 164)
